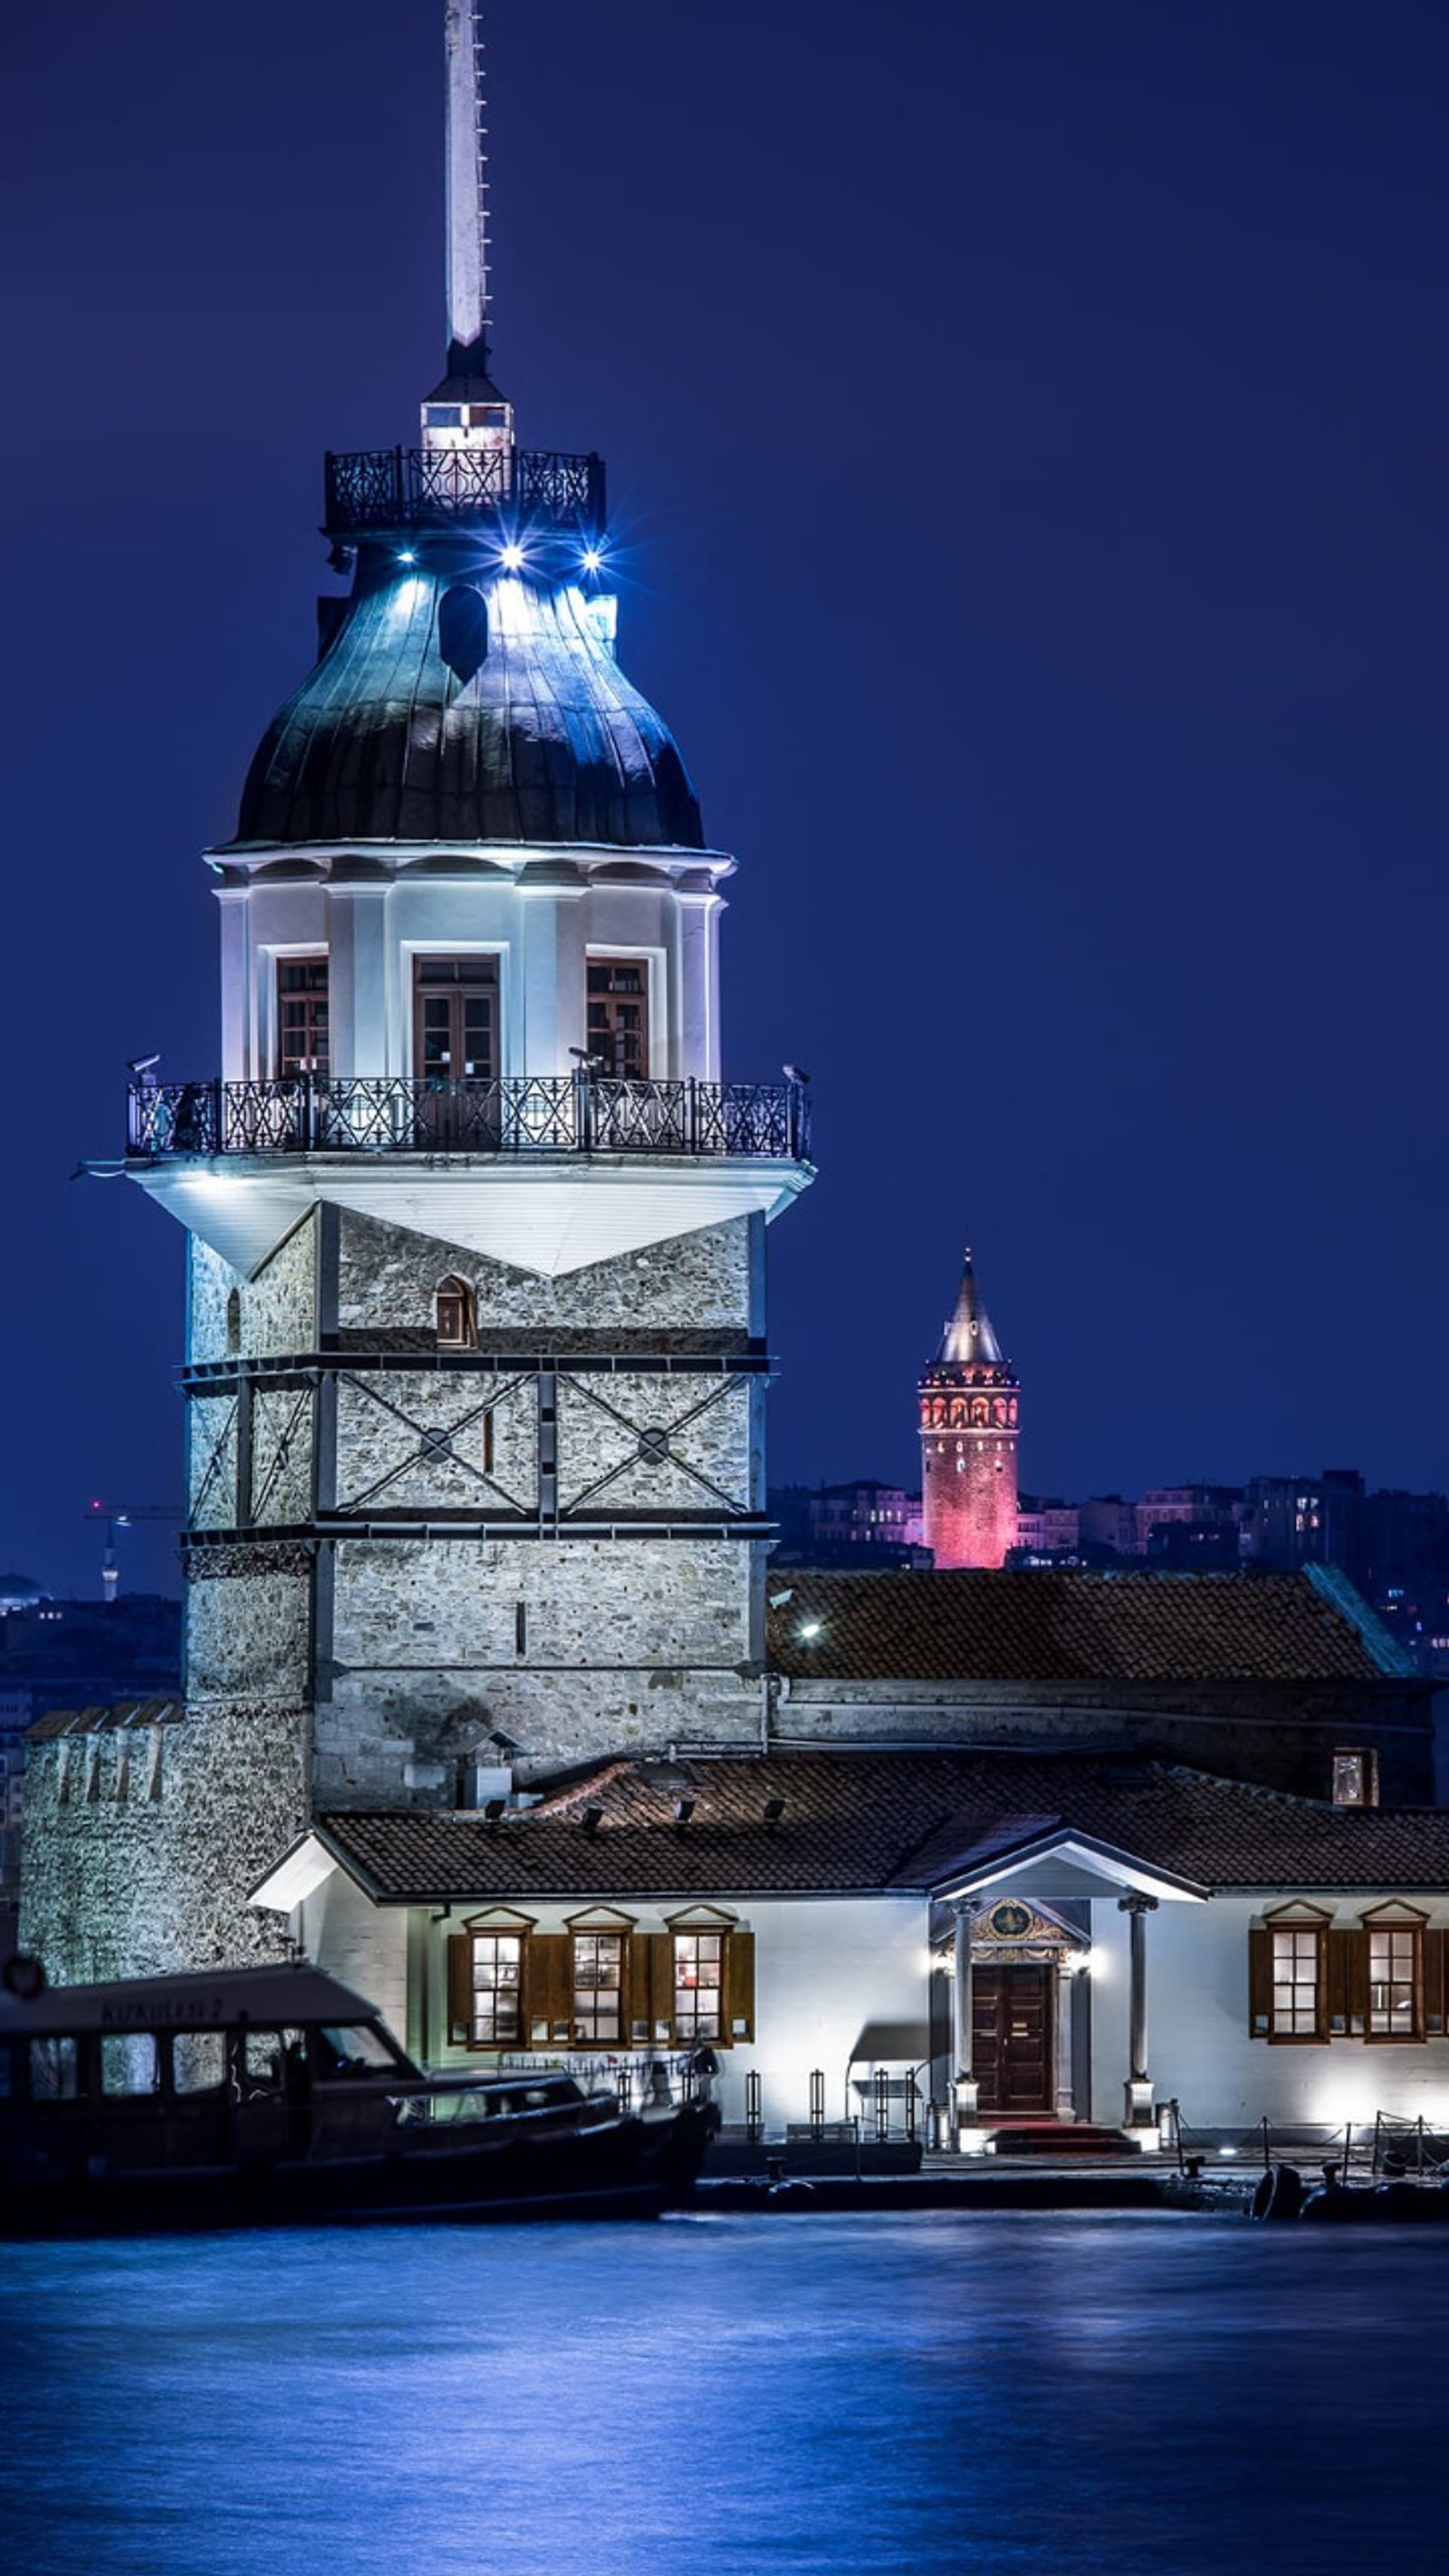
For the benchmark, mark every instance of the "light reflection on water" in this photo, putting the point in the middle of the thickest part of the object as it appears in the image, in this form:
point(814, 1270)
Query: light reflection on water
point(986, 2392)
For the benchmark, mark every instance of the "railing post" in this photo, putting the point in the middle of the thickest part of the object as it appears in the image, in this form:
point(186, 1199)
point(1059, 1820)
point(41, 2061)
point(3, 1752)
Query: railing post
point(217, 1132)
point(817, 2102)
point(754, 2107)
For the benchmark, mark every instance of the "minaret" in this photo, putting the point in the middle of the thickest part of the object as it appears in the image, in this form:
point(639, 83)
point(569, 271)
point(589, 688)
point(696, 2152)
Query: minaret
point(476, 1360)
point(969, 1400)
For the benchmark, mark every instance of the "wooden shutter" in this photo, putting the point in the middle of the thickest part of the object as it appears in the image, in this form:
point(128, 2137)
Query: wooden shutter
point(548, 1990)
point(1348, 1985)
point(1436, 1981)
point(652, 1961)
point(739, 1978)
point(460, 1989)
point(1260, 1985)
point(1334, 2017)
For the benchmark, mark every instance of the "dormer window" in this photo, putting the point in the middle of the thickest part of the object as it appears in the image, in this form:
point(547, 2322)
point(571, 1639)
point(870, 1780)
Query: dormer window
point(457, 1315)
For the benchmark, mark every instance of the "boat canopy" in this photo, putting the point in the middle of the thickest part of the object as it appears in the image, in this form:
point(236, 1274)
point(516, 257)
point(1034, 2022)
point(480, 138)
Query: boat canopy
point(293, 1995)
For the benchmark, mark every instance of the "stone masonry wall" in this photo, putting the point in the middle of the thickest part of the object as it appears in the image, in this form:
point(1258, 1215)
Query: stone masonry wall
point(275, 1311)
point(624, 1643)
point(704, 1281)
point(248, 1624)
point(141, 1846)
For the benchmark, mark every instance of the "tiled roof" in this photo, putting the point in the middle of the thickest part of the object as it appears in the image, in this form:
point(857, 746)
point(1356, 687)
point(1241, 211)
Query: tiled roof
point(853, 1822)
point(1051, 1624)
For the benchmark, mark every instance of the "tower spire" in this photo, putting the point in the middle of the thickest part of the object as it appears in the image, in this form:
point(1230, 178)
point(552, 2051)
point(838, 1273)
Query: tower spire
point(467, 190)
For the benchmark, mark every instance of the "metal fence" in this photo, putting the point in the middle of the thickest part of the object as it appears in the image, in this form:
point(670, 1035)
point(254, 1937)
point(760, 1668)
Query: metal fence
point(1357, 2146)
point(411, 487)
point(515, 1114)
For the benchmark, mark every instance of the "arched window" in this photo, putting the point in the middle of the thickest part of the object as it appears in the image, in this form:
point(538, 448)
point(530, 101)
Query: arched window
point(457, 1315)
point(233, 1323)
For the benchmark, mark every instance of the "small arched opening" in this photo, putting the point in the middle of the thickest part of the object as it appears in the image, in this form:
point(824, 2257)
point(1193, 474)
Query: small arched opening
point(456, 1314)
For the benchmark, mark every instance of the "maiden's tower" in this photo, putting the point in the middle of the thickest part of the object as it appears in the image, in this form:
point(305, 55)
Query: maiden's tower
point(476, 1354)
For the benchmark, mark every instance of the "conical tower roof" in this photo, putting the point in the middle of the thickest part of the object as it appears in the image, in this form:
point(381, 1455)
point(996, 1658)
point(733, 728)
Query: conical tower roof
point(969, 1334)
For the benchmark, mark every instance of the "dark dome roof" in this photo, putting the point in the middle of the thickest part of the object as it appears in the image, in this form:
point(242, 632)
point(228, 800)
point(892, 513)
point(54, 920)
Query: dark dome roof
point(455, 704)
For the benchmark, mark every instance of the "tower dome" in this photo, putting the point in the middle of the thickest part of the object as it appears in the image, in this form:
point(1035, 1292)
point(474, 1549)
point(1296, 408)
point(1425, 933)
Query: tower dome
point(462, 699)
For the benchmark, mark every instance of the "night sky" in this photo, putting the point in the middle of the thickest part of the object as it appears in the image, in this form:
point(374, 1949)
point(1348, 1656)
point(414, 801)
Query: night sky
point(1027, 434)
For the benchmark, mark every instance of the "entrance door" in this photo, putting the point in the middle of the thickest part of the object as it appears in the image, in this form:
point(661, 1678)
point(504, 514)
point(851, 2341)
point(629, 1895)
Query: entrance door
point(1011, 2057)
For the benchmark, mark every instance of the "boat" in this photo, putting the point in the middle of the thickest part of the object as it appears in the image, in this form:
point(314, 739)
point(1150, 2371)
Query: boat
point(274, 2096)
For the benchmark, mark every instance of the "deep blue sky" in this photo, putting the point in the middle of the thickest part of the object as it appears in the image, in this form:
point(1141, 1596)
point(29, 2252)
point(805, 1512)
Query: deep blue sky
point(1028, 427)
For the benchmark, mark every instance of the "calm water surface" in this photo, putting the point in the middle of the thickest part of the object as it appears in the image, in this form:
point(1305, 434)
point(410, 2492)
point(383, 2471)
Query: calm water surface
point(936, 2393)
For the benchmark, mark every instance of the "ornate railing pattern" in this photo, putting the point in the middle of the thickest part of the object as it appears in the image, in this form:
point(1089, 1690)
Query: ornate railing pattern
point(526, 1114)
point(410, 487)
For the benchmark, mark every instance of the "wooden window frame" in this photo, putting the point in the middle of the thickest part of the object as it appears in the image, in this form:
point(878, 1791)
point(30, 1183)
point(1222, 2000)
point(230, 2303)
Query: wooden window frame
point(611, 958)
point(1305, 1920)
point(456, 1291)
point(499, 1922)
point(1390, 1918)
point(318, 1061)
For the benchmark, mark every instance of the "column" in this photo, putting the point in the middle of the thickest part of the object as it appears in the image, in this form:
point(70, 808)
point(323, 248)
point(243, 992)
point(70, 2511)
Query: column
point(1139, 2082)
point(1066, 1977)
point(968, 2129)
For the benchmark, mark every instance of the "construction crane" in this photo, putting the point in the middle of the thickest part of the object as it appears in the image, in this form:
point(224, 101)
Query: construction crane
point(119, 1516)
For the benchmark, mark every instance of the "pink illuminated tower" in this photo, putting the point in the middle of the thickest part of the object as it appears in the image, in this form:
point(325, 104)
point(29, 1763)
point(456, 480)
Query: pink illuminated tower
point(969, 1404)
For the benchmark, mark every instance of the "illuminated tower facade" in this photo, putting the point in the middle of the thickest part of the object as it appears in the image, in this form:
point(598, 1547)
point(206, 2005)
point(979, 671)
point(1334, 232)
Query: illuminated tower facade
point(970, 1399)
point(476, 1364)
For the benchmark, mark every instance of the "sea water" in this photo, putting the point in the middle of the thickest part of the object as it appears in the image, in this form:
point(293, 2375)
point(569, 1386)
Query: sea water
point(784, 2393)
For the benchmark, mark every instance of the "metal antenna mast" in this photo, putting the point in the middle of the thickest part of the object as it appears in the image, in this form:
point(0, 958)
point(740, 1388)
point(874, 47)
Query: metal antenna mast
point(467, 190)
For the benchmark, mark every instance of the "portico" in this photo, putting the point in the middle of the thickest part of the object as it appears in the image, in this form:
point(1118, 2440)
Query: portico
point(1024, 1923)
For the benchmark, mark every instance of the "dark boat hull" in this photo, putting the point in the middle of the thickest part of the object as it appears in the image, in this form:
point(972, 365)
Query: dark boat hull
point(620, 2168)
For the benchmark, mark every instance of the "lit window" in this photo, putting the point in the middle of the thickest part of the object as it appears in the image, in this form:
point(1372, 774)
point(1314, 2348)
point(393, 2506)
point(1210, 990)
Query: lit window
point(496, 2017)
point(1394, 1981)
point(1297, 1982)
point(698, 1986)
point(598, 2014)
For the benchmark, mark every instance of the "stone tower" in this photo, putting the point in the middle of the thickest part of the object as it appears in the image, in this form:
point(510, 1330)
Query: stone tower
point(969, 1400)
point(476, 1357)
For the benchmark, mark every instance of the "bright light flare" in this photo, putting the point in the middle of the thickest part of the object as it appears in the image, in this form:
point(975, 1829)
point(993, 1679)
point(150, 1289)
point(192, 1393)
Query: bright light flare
point(512, 558)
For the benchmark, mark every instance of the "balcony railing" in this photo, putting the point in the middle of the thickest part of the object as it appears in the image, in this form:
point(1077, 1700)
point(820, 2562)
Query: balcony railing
point(412, 487)
point(526, 1114)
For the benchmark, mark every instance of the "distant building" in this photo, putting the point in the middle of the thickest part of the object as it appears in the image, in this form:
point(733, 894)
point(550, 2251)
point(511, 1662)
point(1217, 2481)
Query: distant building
point(1048, 1531)
point(864, 1524)
point(1109, 1526)
point(969, 1413)
point(79, 1654)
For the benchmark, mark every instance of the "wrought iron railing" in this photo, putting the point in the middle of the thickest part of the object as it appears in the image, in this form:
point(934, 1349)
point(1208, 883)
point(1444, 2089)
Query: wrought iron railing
point(411, 487)
point(524, 1114)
